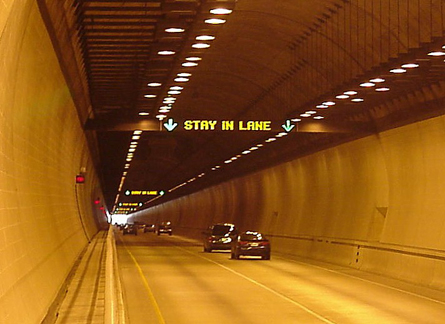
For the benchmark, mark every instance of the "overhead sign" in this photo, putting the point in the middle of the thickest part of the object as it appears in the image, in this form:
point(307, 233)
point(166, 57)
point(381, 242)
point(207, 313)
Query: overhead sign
point(127, 204)
point(143, 192)
point(228, 125)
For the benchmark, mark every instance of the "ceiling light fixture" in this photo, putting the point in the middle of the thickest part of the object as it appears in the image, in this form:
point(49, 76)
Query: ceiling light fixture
point(321, 106)
point(174, 92)
point(296, 120)
point(318, 117)
point(193, 58)
point(328, 103)
point(161, 117)
point(343, 96)
point(215, 21)
point(367, 84)
point(383, 89)
point(181, 79)
point(176, 88)
point(410, 65)
point(436, 53)
point(350, 92)
point(189, 64)
point(166, 52)
point(377, 80)
point(357, 100)
point(220, 11)
point(175, 30)
point(205, 37)
point(150, 96)
point(143, 113)
point(200, 45)
point(398, 70)
point(154, 84)
point(305, 115)
point(184, 74)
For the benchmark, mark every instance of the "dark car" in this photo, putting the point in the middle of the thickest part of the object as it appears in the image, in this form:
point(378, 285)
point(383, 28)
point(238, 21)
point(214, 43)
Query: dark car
point(219, 237)
point(149, 228)
point(252, 244)
point(165, 228)
point(130, 229)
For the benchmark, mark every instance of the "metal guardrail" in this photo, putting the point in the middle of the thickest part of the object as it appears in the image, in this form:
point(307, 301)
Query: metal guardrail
point(114, 303)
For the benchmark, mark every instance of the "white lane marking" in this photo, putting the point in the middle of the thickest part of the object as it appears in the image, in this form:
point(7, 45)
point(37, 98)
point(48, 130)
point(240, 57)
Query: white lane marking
point(262, 286)
point(365, 280)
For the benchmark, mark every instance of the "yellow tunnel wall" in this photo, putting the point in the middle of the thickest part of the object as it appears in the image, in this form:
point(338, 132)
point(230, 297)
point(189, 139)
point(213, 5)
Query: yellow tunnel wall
point(46, 220)
point(376, 204)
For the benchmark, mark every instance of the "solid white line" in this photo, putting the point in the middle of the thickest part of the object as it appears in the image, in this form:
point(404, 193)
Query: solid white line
point(365, 280)
point(262, 286)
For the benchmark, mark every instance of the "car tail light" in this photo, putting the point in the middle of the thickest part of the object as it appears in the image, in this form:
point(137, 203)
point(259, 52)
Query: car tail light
point(243, 242)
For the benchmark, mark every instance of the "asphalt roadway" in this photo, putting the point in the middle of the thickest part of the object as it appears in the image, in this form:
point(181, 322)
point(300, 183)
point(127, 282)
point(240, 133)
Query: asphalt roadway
point(169, 279)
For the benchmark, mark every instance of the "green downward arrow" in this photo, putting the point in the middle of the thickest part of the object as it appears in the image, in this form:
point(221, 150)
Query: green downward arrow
point(288, 126)
point(170, 125)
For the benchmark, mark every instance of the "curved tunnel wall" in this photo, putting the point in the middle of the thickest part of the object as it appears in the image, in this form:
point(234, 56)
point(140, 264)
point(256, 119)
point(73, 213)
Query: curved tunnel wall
point(376, 204)
point(46, 220)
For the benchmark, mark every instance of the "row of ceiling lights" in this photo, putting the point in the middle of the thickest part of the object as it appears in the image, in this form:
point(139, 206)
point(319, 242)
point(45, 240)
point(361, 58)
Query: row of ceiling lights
point(174, 90)
point(135, 137)
point(191, 61)
point(375, 82)
point(354, 96)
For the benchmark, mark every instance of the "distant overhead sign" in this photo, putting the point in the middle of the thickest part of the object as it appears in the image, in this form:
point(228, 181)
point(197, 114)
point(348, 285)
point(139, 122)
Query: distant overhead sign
point(143, 192)
point(228, 125)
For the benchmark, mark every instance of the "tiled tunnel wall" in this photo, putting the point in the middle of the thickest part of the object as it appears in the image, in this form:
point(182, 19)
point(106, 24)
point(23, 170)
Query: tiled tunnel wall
point(46, 220)
point(376, 204)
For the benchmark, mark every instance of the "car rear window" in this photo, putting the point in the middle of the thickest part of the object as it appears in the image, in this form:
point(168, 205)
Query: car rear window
point(220, 229)
point(252, 237)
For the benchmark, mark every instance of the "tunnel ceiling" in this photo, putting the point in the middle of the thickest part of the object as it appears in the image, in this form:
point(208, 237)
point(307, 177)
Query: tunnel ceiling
point(267, 60)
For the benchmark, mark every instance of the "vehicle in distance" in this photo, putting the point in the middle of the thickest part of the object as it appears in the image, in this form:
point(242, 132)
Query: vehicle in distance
point(130, 229)
point(149, 228)
point(219, 237)
point(252, 244)
point(165, 228)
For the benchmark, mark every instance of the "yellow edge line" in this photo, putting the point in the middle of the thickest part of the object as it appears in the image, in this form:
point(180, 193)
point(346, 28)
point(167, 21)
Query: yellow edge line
point(147, 286)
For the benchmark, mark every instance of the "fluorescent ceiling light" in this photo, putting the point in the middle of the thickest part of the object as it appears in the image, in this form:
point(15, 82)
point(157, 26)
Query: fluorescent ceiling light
point(410, 65)
point(174, 92)
point(367, 84)
point(154, 84)
point(166, 52)
point(143, 113)
point(215, 21)
point(343, 96)
point(205, 37)
point(350, 92)
point(175, 30)
point(382, 89)
point(193, 58)
point(189, 64)
point(150, 96)
point(176, 88)
point(399, 70)
point(184, 74)
point(357, 100)
point(181, 79)
point(377, 80)
point(329, 103)
point(220, 11)
point(200, 45)
point(437, 53)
